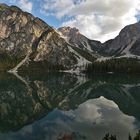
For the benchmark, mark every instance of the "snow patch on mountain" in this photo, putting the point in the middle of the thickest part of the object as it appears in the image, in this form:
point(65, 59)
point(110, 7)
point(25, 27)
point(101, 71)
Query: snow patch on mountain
point(103, 59)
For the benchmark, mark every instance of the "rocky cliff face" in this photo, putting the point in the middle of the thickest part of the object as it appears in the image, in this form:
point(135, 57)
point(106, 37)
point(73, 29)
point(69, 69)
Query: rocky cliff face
point(22, 34)
point(29, 40)
point(126, 43)
point(74, 37)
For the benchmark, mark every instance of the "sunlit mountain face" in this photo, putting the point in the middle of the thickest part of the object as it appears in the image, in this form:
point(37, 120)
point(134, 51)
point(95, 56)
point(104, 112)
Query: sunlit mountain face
point(59, 106)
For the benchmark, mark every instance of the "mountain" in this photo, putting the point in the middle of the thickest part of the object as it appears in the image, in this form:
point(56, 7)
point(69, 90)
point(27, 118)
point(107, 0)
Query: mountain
point(126, 43)
point(76, 38)
point(29, 44)
point(27, 39)
point(87, 48)
point(118, 55)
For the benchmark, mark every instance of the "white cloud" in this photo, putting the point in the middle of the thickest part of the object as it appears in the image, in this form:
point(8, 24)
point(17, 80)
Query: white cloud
point(92, 119)
point(97, 19)
point(25, 5)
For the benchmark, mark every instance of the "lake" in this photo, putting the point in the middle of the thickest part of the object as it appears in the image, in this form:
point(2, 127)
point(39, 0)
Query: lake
point(62, 106)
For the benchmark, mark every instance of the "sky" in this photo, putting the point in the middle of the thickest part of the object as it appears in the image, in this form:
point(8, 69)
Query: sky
point(96, 19)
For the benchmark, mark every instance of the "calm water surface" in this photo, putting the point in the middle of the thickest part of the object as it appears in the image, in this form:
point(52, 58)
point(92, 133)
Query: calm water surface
point(68, 107)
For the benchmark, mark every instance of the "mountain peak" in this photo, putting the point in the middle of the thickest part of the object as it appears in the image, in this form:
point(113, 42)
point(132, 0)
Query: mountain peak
point(77, 39)
point(25, 37)
point(68, 31)
point(126, 43)
point(3, 6)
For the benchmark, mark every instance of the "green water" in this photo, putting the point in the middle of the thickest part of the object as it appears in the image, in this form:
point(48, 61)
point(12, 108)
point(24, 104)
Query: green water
point(59, 106)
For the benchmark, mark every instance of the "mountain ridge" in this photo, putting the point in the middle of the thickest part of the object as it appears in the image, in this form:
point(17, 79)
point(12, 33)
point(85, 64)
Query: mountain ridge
point(129, 34)
point(22, 33)
point(30, 43)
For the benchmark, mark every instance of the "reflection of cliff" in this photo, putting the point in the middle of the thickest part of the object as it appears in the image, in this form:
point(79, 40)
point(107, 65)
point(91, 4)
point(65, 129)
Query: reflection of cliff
point(24, 101)
point(91, 120)
point(17, 104)
point(54, 90)
point(67, 91)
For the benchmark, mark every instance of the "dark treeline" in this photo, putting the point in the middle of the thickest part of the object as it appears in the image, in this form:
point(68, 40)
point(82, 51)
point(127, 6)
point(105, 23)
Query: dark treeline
point(40, 67)
point(108, 136)
point(114, 137)
point(7, 62)
point(121, 65)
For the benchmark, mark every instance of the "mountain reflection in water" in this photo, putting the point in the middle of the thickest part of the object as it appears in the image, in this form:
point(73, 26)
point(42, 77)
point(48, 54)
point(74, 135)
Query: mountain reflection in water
point(57, 106)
